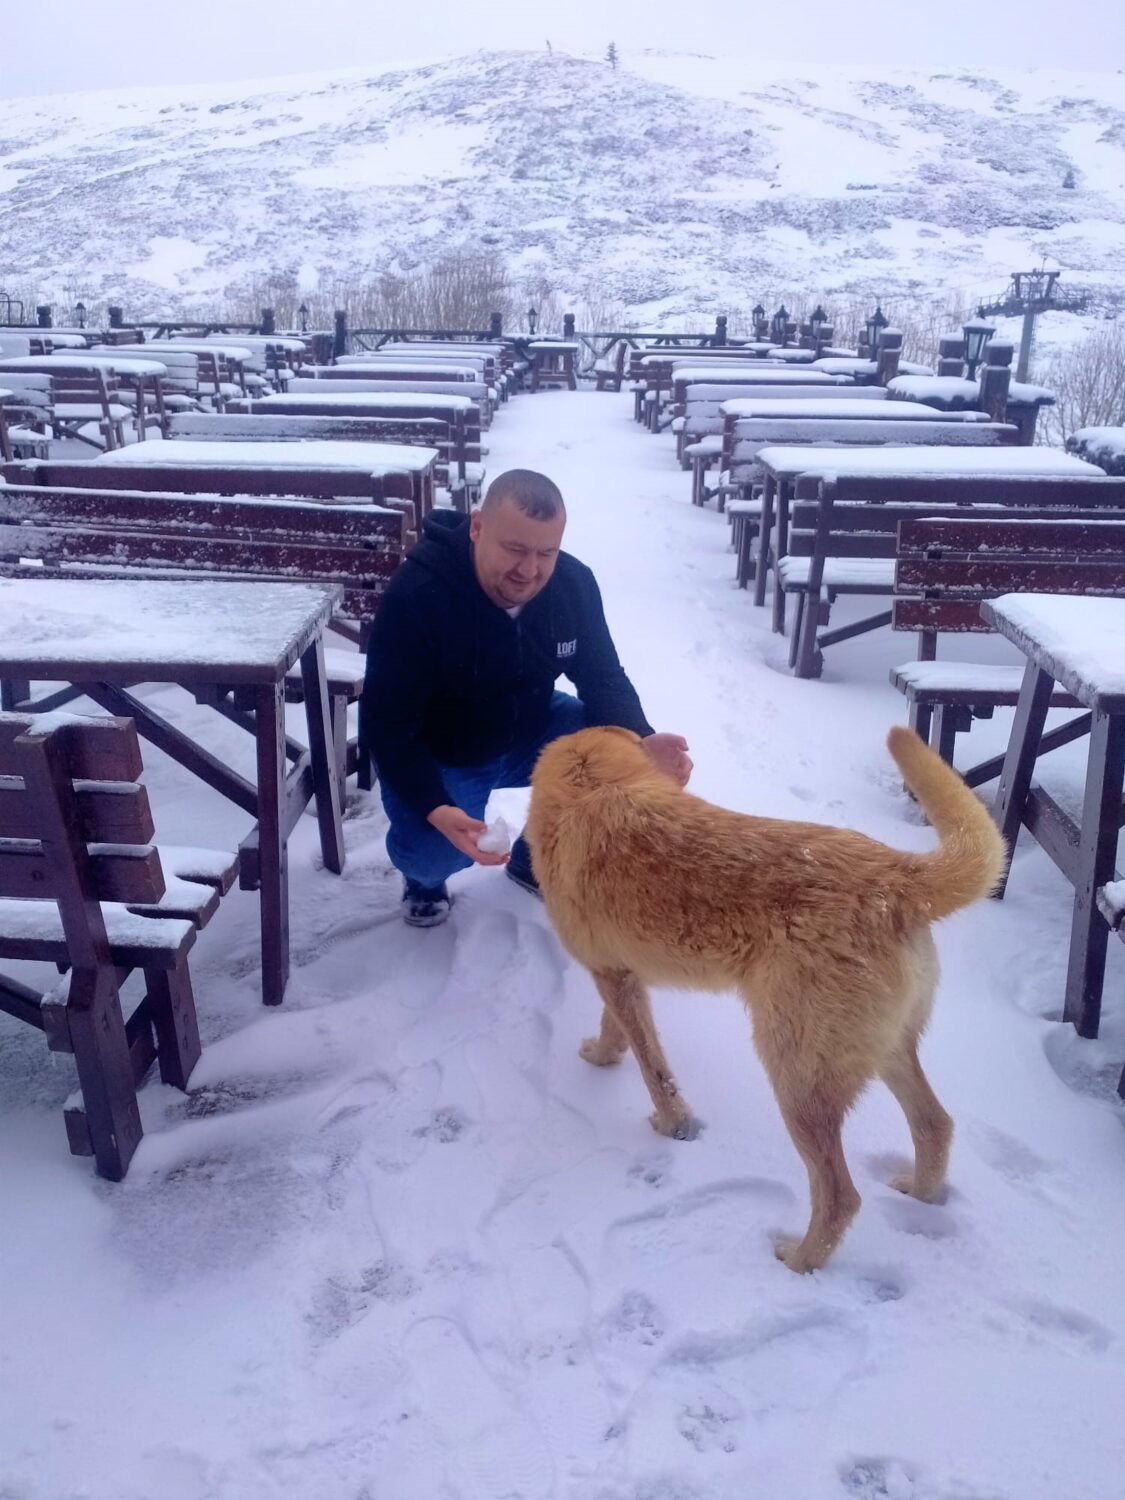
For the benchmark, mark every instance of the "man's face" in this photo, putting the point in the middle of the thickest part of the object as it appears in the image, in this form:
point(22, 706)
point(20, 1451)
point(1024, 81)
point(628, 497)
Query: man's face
point(513, 555)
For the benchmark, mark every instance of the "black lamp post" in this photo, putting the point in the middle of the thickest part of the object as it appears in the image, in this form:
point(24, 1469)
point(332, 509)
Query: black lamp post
point(875, 325)
point(532, 319)
point(758, 313)
point(80, 313)
point(303, 314)
point(778, 325)
point(977, 335)
point(817, 317)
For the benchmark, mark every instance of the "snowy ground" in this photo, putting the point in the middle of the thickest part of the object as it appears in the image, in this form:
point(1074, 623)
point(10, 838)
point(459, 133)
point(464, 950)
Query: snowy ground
point(401, 1243)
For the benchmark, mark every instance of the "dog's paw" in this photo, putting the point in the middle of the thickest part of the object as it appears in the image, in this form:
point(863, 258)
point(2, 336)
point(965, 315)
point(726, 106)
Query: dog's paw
point(904, 1182)
point(595, 1051)
point(679, 1127)
point(792, 1253)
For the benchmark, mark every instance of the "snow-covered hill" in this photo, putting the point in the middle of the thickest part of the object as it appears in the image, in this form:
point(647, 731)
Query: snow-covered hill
point(676, 184)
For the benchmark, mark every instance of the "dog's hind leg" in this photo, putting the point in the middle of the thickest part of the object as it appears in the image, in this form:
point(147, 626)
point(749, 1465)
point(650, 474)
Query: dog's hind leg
point(609, 1046)
point(626, 1001)
point(815, 1120)
point(931, 1129)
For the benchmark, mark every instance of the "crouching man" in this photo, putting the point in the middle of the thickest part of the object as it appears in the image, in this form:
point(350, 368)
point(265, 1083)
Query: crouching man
point(483, 617)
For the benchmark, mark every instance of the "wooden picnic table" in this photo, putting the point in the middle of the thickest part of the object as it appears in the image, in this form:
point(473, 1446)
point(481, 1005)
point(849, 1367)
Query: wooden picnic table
point(358, 458)
point(858, 408)
point(783, 464)
point(102, 637)
point(1078, 643)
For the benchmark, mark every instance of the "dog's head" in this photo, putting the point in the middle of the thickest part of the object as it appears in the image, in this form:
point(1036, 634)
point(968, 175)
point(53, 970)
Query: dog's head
point(592, 758)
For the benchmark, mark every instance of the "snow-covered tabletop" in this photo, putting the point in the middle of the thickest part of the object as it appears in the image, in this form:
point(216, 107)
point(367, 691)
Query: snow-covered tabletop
point(317, 453)
point(553, 346)
point(116, 363)
point(1081, 642)
point(754, 372)
point(233, 350)
point(337, 380)
point(786, 461)
point(944, 390)
point(96, 630)
point(856, 407)
point(385, 368)
point(341, 395)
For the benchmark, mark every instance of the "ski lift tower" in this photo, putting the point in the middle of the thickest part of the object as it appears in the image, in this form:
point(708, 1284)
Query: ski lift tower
point(1030, 293)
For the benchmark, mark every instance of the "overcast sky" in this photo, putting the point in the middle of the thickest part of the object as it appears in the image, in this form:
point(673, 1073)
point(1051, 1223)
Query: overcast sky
point(55, 46)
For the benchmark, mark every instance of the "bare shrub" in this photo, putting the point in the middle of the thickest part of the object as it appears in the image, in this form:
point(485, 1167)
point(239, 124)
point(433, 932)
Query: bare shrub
point(1088, 381)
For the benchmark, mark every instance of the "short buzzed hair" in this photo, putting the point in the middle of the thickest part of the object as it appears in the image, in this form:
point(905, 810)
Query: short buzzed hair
point(539, 497)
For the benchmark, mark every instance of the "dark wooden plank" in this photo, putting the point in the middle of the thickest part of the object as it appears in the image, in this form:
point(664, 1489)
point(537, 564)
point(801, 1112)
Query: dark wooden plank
point(1020, 537)
point(310, 484)
point(25, 873)
point(229, 517)
point(985, 489)
point(1031, 575)
point(206, 554)
point(96, 749)
point(117, 814)
point(951, 616)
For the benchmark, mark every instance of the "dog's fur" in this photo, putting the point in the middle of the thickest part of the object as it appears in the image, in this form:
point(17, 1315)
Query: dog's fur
point(823, 932)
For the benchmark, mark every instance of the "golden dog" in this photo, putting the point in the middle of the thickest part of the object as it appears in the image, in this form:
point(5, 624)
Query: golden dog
point(823, 932)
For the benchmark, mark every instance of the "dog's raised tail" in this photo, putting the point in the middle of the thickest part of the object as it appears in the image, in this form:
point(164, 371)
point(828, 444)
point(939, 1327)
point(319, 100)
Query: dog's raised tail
point(970, 858)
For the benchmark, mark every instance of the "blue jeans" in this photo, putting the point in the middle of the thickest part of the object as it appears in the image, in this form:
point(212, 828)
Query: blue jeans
point(423, 854)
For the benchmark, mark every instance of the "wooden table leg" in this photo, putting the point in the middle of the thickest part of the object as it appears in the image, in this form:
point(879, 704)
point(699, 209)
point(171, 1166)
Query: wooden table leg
point(1097, 853)
point(273, 852)
point(328, 790)
point(1019, 762)
point(765, 526)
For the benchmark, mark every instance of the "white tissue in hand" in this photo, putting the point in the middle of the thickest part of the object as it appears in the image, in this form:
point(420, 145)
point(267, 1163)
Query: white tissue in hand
point(496, 838)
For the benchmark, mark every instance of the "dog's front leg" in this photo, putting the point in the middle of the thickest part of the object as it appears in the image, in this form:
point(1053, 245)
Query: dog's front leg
point(627, 1008)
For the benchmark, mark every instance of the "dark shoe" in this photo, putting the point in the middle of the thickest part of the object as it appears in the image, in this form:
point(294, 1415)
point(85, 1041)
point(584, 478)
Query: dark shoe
point(425, 905)
point(519, 868)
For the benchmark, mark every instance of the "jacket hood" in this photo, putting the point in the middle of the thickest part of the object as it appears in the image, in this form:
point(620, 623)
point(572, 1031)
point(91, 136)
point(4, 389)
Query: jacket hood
point(445, 549)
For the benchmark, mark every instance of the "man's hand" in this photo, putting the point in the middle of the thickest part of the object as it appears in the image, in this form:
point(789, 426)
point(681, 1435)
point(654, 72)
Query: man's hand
point(461, 831)
point(668, 753)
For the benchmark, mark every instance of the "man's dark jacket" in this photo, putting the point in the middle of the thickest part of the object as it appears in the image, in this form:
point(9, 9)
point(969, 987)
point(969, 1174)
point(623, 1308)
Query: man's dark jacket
point(452, 678)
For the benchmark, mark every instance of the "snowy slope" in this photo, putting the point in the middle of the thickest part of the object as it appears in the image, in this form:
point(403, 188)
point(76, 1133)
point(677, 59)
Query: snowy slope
point(679, 183)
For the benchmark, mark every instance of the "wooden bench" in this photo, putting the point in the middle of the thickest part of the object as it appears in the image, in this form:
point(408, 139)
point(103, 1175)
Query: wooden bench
point(260, 424)
point(553, 363)
point(82, 886)
point(947, 567)
point(704, 401)
point(392, 491)
point(336, 380)
point(66, 533)
point(84, 397)
point(609, 371)
point(843, 538)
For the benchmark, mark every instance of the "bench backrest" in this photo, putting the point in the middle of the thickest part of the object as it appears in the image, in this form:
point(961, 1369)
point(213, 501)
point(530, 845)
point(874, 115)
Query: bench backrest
point(465, 421)
point(987, 489)
point(822, 524)
point(747, 435)
point(61, 532)
point(184, 479)
point(947, 566)
point(703, 403)
point(335, 378)
point(287, 428)
point(75, 827)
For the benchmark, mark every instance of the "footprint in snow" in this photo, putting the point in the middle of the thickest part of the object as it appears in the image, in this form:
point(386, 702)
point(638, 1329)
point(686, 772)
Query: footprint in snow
point(489, 1446)
point(729, 1213)
point(909, 1216)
